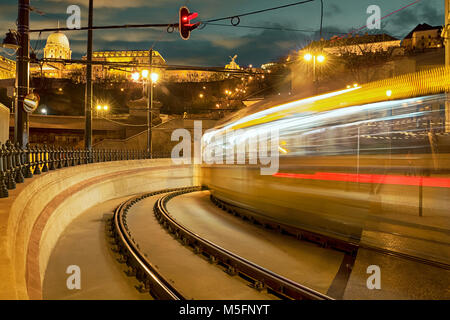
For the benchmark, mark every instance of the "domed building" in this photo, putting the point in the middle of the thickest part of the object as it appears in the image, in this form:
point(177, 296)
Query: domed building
point(57, 46)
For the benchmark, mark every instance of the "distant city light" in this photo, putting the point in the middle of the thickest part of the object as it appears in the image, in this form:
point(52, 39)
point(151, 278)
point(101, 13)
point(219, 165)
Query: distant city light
point(154, 76)
point(201, 95)
point(320, 58)
point(99, 107)
point(44, 111)
point(308, 57)
point(60, 89)
point(145, 73)
point(389, 93)
point(135, 76)
point(105, 108)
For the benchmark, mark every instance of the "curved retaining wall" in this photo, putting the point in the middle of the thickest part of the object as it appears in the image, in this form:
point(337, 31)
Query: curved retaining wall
point(38, 211)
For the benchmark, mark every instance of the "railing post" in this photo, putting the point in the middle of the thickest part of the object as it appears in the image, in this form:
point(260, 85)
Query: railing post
point(37, 160)
point(11, 183)
point(44, 157)
point(52, 157)
point(28, 161)
point(18, 163)
point(71, 159)
point(3, 189)
point(59, 157)
point(85, 156)
point(79, 154)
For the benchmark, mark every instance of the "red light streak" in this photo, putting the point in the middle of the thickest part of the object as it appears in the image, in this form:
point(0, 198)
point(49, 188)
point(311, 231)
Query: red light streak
point(371, 178)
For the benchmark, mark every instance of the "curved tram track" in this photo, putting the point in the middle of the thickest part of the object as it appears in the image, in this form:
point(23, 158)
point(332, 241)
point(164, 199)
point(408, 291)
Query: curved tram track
point(160, 287)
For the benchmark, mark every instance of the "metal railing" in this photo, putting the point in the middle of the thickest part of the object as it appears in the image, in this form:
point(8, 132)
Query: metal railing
point(18, 164)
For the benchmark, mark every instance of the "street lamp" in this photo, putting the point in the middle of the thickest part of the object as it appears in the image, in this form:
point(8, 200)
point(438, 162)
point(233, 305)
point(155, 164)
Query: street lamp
point(315, 58)
point(135, 76)
point(153, 79)
point(11, 40)
point(150, 78)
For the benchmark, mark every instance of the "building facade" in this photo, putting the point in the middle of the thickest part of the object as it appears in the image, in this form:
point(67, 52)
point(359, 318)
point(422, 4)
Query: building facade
point(124, 57)
point(423, 36)
point(7, 68)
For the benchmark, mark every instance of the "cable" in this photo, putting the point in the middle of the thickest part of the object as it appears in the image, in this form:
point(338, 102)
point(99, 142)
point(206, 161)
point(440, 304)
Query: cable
point(386, 16)
point(321, 18)
point(259, 11)
point(280, 29)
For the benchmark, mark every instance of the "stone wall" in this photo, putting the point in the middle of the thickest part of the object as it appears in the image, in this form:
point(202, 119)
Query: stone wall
point(38, 211)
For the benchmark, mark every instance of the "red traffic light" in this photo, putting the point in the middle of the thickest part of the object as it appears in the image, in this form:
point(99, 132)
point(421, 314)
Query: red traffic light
point(185, 25)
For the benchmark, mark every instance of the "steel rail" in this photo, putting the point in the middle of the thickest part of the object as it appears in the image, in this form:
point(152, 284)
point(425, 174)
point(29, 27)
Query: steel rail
point(139, 264)
point(259, 276)
point(349, 247)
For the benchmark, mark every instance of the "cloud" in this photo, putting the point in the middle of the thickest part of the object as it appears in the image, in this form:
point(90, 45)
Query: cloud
point(118, 4)
point(424, 12)
point(331, 10)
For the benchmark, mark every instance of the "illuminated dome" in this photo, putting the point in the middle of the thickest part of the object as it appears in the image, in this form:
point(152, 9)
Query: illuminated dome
point(58, 39)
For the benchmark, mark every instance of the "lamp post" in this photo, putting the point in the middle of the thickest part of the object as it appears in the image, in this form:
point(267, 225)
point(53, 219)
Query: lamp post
point(315, 59)
point(151, 79)
point(21, 128)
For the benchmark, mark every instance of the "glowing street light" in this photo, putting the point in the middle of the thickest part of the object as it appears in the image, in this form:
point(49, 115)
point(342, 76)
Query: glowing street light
point(154, 76)
point(389, 93)
point(320, 59)
point(99, 107)
point(145, 73)
point(135, 76)
point(105, 108)
point(201, 95)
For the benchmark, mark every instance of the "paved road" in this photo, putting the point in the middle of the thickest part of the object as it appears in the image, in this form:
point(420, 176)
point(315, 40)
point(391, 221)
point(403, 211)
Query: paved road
point(303, 262)
point(84, 243)
point(192, 275)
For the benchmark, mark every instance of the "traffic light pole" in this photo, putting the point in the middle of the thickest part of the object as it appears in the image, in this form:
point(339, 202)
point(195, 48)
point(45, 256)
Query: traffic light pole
point(21, 127)
point(89, 86)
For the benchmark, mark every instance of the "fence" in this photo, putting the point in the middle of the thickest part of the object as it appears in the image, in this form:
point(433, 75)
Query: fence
point(18, 164)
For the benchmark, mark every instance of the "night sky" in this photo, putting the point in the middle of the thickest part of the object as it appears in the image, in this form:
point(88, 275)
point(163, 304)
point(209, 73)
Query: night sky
point(213, 45)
